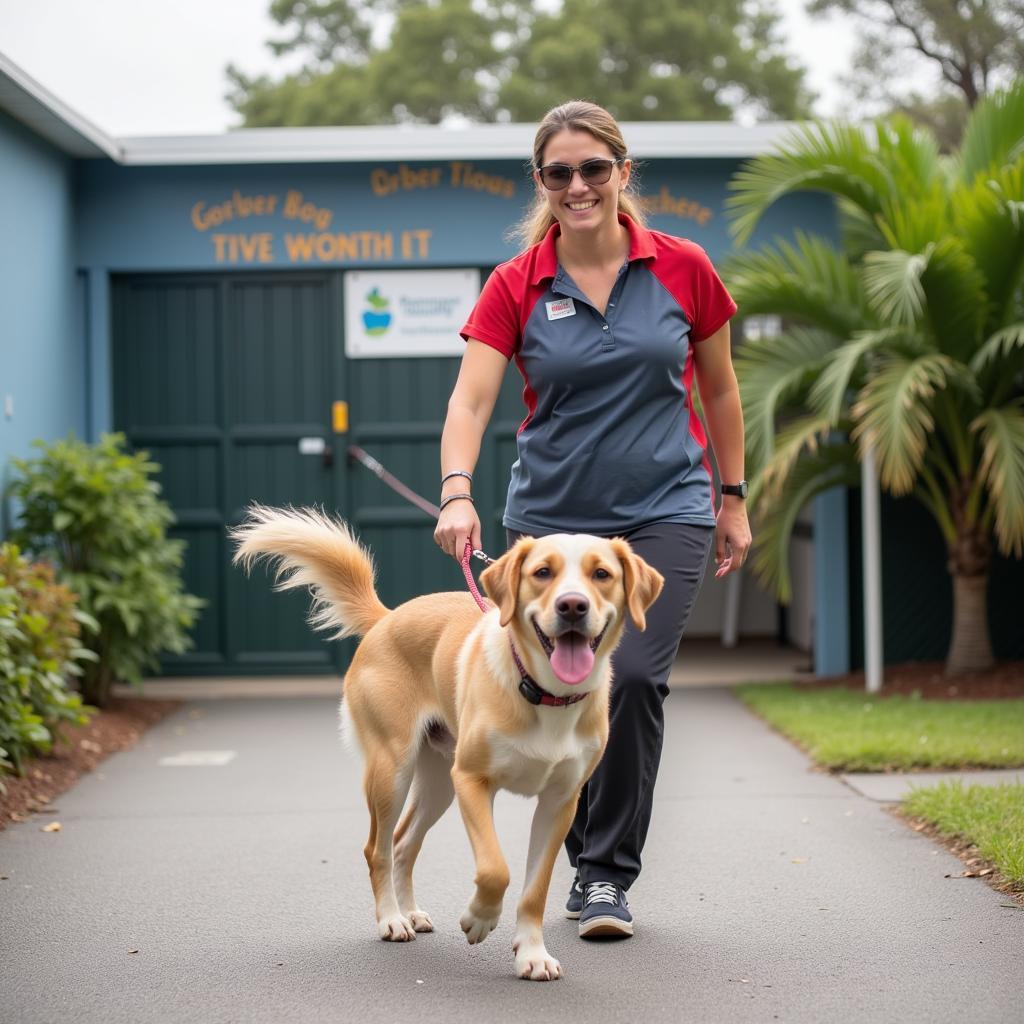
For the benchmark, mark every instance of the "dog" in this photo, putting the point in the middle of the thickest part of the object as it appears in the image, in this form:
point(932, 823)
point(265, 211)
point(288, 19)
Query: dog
point(447, 702)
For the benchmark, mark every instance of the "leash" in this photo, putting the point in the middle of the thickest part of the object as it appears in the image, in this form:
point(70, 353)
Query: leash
point(392, 481)
point(528, 687)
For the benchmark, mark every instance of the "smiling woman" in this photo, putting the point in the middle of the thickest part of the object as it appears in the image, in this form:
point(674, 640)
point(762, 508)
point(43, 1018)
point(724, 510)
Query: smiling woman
point(610, 325)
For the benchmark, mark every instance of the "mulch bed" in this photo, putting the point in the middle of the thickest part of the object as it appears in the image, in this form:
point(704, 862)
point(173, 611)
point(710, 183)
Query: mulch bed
point(1003, 682)
point(81, 749)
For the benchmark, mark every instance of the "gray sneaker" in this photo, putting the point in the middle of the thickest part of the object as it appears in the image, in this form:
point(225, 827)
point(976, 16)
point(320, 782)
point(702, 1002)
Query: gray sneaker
point(574, 904)
point(605, 912)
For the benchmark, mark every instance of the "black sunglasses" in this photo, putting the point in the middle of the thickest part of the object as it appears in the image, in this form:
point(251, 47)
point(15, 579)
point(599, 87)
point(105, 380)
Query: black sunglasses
point(555, 177)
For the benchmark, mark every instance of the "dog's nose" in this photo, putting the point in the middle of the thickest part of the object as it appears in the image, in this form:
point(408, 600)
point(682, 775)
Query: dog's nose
point(572, 607)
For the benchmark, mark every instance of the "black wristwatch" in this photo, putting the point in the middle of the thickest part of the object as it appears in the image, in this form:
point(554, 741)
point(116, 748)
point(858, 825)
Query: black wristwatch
point(739, 490)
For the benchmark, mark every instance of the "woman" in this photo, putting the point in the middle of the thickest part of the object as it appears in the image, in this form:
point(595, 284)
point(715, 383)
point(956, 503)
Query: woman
point(608, 323)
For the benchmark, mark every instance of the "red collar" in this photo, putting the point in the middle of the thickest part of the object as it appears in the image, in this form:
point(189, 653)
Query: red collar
point(534, 692)
point(641, 247)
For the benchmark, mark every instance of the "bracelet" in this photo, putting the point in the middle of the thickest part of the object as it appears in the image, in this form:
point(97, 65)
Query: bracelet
point(456, 472)
point(454, 497)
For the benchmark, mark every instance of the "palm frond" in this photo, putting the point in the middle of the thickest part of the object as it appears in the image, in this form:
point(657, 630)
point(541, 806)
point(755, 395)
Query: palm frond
point(1005, 346)
point(803, 435)
point(893, 284)
point(993, 136)
point(859, 230)
point(1002, 465)
point(988, 216)
point(807, 280)
point(893, 414)
point(832, 157)
point(956, 298)
point(830, 393)
point(911, 153)
point(912, 222)
point(830, 466)
point(772, 371)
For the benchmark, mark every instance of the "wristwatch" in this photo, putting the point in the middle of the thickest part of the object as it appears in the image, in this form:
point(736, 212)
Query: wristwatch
point(739, 490)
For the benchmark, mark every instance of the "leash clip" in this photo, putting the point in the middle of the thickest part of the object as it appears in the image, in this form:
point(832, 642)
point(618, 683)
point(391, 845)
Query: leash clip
point(483, 556)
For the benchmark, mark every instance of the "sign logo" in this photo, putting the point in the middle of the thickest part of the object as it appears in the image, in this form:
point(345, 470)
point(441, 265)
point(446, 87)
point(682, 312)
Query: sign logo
point(376, 319)
point(560, 308)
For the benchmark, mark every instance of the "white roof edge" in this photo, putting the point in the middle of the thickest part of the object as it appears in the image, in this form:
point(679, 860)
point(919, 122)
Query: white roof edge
point(34, 105)
point(702, 139)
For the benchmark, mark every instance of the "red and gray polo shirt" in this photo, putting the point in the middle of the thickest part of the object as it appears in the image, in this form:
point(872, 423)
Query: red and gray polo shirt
point(610, 440)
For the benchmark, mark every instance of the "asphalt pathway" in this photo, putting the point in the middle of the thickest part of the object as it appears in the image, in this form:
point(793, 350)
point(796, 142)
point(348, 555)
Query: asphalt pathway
point(215, 874)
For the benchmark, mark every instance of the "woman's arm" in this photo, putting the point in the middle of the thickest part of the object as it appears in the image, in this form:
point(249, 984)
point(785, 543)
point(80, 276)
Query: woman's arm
point(469, 412)
point(720, 397)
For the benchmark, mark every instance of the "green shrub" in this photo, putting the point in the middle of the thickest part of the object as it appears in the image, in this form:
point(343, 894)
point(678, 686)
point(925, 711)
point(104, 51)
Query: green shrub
point(94, 511)
point(39, 649)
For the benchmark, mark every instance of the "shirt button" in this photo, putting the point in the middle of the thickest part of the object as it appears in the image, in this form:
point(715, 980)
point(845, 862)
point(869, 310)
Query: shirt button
point(605, 328)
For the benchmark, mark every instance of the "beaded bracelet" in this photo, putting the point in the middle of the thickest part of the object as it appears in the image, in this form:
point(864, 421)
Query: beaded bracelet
point(454, 497)
point(456, 472)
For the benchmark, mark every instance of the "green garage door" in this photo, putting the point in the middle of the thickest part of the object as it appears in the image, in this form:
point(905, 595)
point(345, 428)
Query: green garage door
point(221, 379)
point(229, 382)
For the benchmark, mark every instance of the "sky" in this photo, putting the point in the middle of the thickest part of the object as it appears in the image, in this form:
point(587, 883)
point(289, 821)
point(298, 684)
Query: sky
point(149, 67)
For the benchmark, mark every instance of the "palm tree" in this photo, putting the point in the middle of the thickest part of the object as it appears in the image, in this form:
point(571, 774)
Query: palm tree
point(908, 339)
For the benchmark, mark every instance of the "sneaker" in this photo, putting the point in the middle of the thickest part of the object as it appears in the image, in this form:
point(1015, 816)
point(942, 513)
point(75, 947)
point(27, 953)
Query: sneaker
point(574, 904)
point(605, 911)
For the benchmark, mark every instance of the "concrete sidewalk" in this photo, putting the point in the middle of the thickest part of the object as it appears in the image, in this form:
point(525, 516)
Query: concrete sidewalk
point(237, 892)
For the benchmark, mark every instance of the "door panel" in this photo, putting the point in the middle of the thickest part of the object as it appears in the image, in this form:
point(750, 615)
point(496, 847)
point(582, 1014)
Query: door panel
point(219, 379)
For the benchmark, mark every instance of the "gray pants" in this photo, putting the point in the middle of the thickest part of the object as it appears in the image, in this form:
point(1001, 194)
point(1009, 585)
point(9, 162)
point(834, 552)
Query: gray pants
point(614, 812)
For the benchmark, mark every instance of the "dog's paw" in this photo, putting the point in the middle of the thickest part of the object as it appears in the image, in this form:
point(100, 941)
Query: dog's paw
point(534, 963)
point(420, 921)
point(478, 926)
point(396, 928)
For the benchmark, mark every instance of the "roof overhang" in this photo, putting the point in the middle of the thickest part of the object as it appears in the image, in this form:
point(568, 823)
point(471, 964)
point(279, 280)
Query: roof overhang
point(433, 142)
point(39, 110)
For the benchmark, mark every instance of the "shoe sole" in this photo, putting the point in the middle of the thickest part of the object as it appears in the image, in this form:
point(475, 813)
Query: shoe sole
point(605, 926)
point(573, 915)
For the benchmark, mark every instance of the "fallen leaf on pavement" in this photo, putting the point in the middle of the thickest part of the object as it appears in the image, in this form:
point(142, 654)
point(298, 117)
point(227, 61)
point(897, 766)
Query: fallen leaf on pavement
point(54, 826)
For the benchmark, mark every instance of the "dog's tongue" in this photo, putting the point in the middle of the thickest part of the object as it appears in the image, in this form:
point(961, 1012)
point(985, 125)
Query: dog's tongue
point(572, 658)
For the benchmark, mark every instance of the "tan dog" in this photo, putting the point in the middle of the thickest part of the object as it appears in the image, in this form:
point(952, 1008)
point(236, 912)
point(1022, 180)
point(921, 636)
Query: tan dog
point(437, 704)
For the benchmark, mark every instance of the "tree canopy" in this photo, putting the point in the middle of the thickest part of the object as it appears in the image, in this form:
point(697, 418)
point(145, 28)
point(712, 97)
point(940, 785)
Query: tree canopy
point(972, 46)
point(373, 62)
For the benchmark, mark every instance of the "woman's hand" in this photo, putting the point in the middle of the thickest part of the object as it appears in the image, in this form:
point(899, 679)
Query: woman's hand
point(732, 536)
point(458, 523)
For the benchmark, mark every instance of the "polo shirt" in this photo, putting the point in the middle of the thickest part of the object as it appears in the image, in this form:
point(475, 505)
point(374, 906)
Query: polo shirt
point(610, 440)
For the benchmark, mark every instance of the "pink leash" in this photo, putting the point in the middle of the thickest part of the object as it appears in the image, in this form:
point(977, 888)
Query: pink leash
point(468, 573)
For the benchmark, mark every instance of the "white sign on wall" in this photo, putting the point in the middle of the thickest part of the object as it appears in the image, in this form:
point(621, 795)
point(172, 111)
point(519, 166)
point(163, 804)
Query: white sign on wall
point(407, 312)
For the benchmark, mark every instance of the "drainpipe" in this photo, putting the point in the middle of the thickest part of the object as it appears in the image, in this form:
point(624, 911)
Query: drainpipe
point(871, 536)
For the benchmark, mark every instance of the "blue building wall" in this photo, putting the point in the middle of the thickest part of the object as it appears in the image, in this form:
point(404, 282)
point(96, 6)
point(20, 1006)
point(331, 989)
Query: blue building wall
point(42, 357)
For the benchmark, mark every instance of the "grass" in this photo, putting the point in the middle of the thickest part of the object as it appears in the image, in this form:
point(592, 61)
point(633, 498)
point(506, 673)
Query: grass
point(844, 730)
point(989, 817)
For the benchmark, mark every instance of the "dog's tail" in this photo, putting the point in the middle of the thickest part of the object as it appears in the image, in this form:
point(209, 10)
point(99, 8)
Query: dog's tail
point(309, 549)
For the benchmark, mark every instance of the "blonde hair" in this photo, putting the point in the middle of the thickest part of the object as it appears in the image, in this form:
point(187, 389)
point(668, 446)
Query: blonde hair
point(575, 116)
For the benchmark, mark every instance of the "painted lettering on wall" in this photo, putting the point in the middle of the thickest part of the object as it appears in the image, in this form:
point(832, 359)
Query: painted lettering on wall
point(678, 206)
point(324, 247)
point(457, 174)
point(318, 245)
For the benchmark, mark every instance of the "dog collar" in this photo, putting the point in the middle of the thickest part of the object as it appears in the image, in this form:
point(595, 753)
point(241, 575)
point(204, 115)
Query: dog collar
point(535, 693)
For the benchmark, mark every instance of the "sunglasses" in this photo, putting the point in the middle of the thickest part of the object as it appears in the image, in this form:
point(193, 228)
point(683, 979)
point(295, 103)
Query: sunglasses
point(555, 177)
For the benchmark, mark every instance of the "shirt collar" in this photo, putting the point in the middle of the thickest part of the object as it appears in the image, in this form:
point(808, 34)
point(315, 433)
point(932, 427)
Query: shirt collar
point(641, 247)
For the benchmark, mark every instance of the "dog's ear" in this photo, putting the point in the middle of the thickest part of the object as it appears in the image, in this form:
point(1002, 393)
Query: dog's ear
point(643, 584)
point(501, 579)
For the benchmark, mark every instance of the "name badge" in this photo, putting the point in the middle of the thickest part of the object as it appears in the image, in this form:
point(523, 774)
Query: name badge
point(560, 308)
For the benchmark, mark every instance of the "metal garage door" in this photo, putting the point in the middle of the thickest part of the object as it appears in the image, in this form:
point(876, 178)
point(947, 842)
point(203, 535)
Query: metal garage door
point(221, 377)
